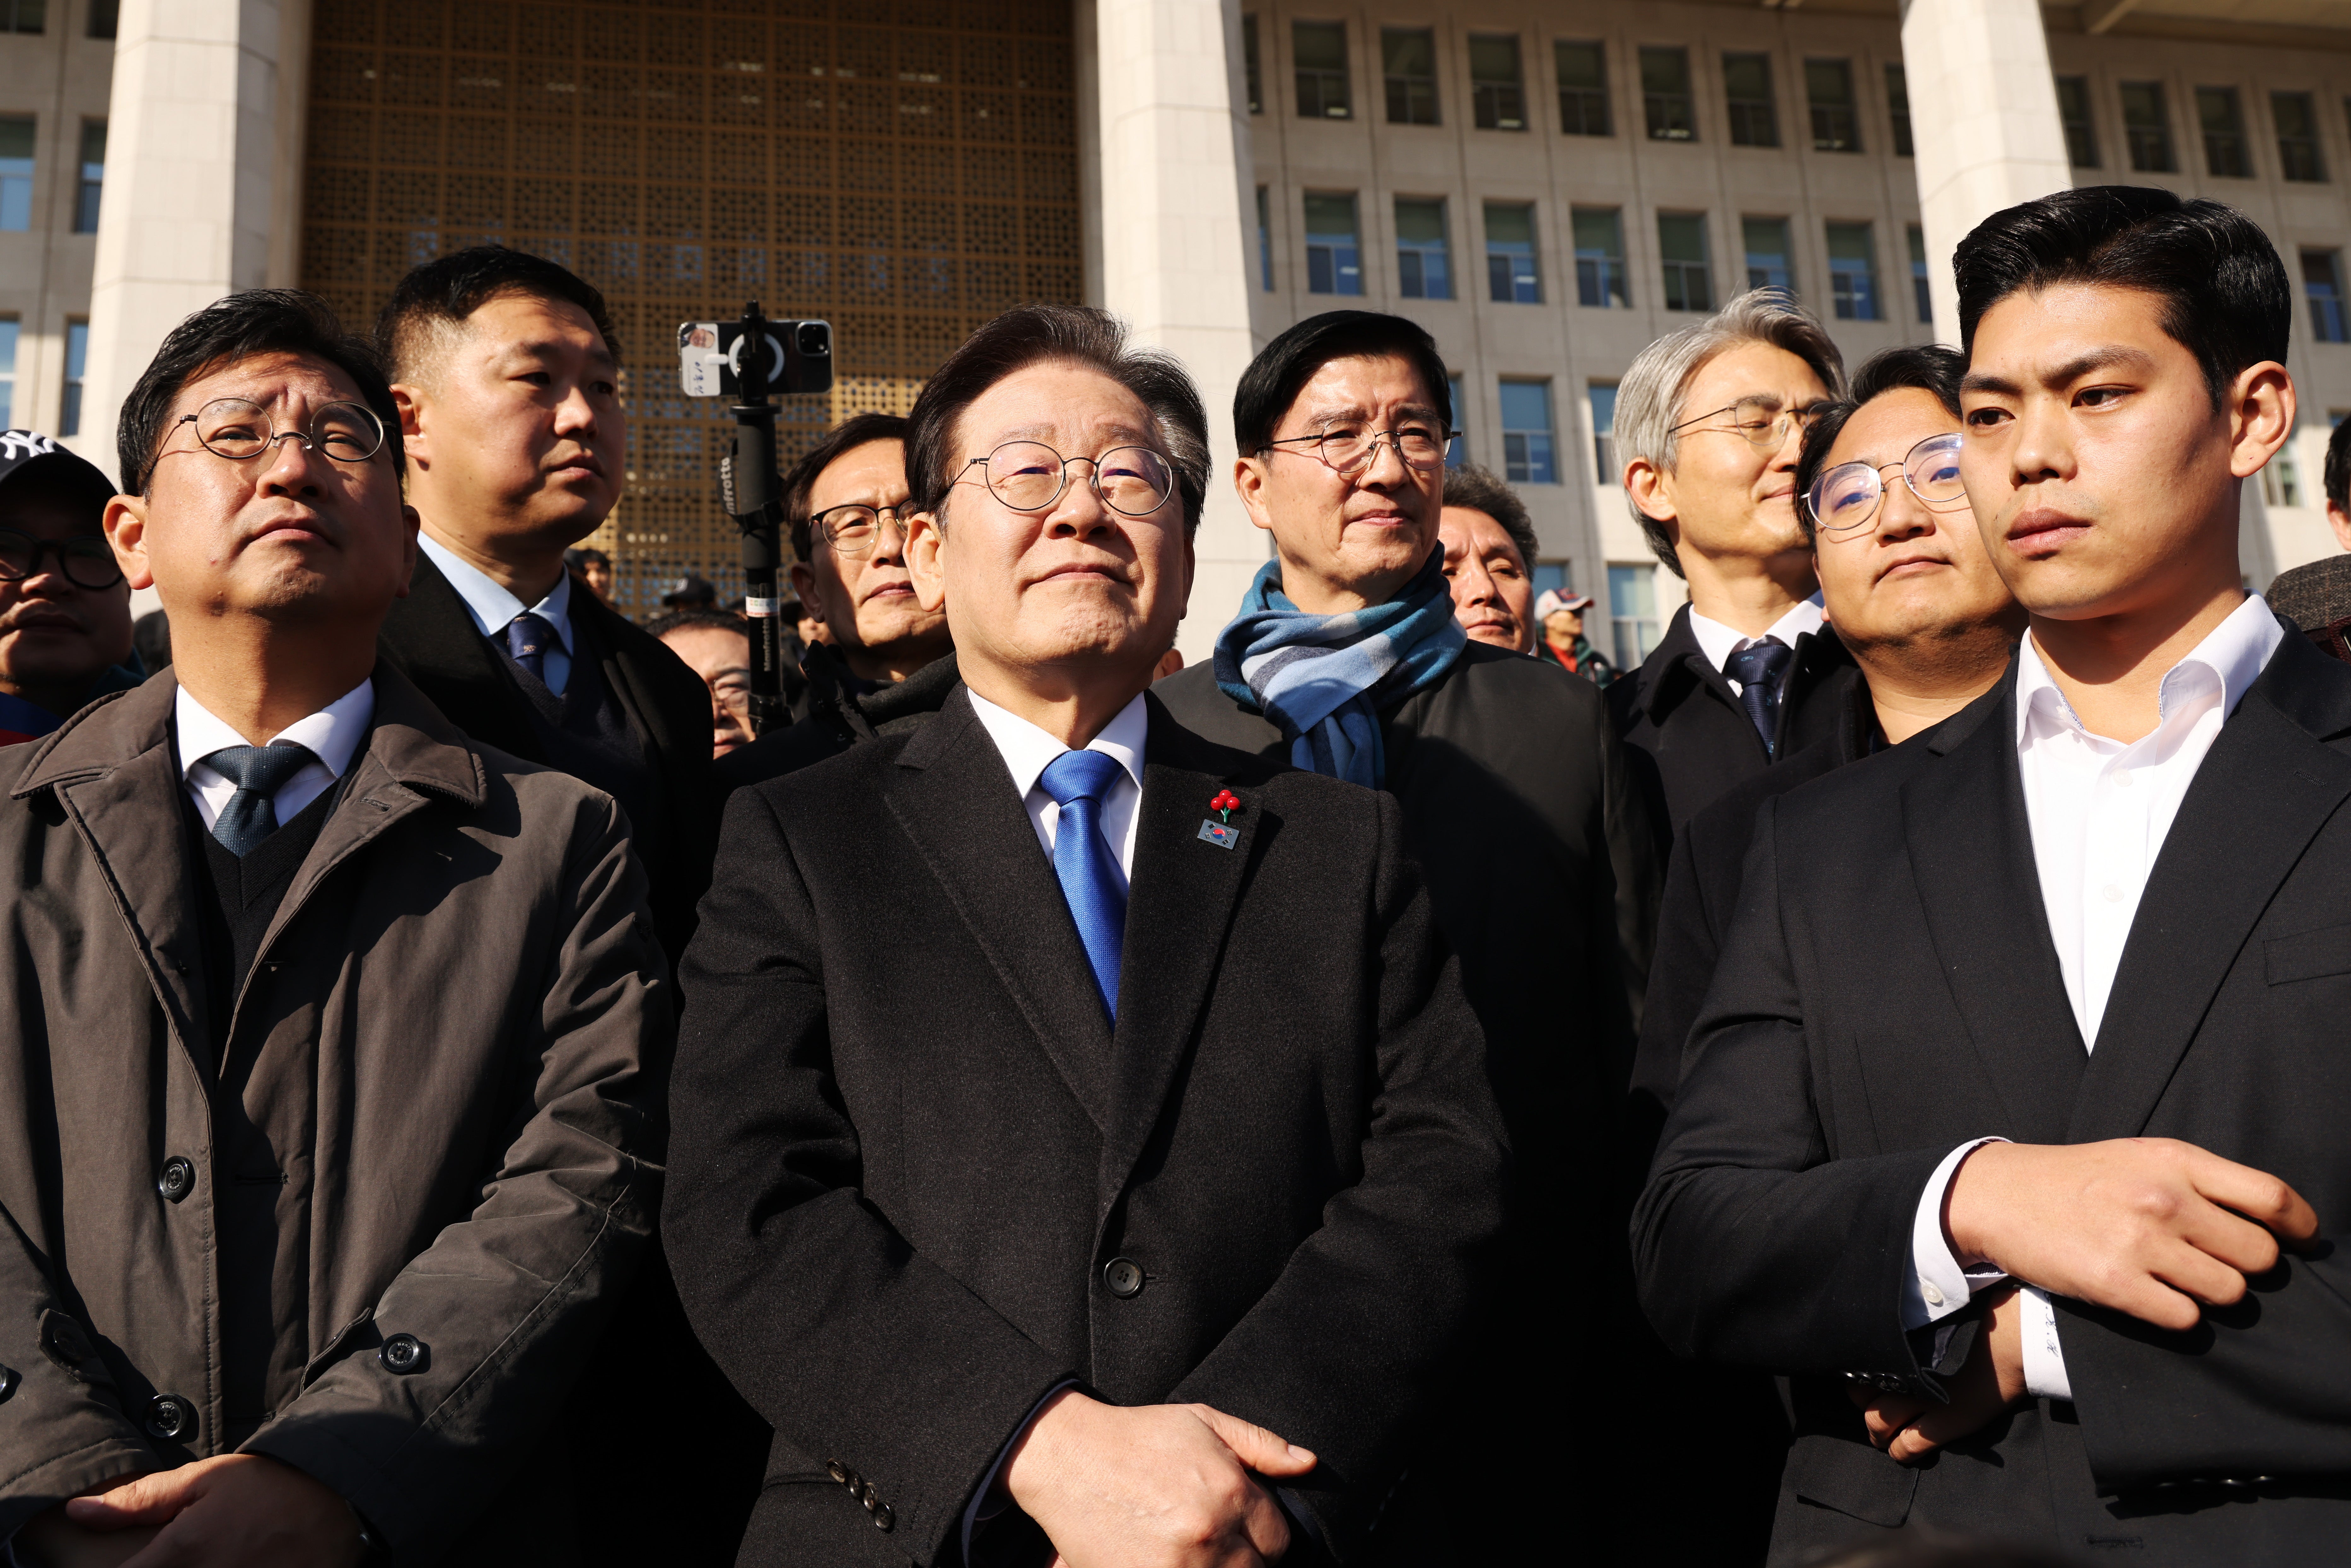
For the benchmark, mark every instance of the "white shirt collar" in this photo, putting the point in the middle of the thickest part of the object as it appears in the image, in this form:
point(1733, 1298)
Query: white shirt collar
point(1028, 750)
point(2232, 655)
point(491, 603)
point(332, 734)
point(1718, 641)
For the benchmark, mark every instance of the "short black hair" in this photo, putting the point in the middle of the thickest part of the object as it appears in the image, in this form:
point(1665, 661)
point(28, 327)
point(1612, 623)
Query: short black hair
point(679, 620)
point(1041, 334)
point(447, 289)
point(1928, 367)
point(2338, 466)
point(1480, 490)
point(582, 555)
point(240, 327)
point(857, 430)
point(2226, 298)
point(1272, 380)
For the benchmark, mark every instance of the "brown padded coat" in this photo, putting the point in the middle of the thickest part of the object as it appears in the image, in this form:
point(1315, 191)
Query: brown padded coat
point(440, 1114)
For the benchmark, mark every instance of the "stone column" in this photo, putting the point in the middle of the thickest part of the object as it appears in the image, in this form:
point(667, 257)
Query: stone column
point(202, 177)
point(1173, 152)
point(1984, 118)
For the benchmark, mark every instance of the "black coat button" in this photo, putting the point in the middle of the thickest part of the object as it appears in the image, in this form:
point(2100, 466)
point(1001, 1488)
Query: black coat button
point(883, 1518)
point(8, 1381)
point(171, 1417)
point(837, 1470)
point(402, 1353)
point(176, 1179)
point(1123, 1277)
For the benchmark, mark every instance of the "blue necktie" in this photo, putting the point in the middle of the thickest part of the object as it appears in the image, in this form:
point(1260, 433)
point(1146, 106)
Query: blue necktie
point(1757, 668)
point(528, 638)
point(258, 772)
point(1090, 881)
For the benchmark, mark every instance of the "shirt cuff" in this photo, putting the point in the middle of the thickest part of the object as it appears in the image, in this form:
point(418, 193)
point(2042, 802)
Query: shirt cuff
point(985, 1503)
point(1936, 1285)
point(2044, 1358)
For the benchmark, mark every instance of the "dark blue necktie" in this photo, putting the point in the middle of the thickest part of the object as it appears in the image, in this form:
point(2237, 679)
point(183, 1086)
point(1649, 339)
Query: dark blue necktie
point(1090, 881)
point(258, 772)
point(1758, 668)
point(528, 638)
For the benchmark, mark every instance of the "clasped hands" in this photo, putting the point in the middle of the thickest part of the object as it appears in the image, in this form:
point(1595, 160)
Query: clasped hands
point(2152, 1227)
point(238, 1510)
point(1159, 1486)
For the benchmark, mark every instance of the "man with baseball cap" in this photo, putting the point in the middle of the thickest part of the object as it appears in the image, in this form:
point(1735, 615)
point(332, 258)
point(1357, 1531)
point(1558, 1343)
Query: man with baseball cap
point(1560, 616)
point(65, 611)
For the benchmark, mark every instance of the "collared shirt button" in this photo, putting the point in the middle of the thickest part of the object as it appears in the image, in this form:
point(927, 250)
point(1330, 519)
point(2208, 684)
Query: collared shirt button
point(2111, 894)
point(1932, 1291)
point(2122, 778)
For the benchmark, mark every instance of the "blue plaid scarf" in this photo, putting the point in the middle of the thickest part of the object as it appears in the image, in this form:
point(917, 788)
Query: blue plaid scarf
point(1323, 678)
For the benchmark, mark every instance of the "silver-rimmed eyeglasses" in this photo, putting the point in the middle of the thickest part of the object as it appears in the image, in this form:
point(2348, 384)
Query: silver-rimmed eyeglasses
point(1348, 451)
point(1848, 496)
point(1029, 476)
point(240, 431)
point(1763, 421)
point(854, 529)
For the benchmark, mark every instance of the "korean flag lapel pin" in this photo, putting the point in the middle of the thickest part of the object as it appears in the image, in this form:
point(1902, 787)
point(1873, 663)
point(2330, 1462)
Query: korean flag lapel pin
point(1221, 830)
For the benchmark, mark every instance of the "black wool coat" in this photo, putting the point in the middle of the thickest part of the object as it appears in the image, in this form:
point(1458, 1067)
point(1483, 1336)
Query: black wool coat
point(837, 719)
point(1888, 991)
point(909, 1146)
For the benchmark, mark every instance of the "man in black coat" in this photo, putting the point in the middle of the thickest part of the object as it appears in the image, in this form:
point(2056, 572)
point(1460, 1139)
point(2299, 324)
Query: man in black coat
point(1709, 421)
point(1066, 1105)
point(2100, 913)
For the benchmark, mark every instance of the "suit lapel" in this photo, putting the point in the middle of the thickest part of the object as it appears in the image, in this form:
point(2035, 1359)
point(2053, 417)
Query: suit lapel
point(954, 799)
point(2264, 790)
point(1178, 909)
point(430, 636)
point(1971, 857)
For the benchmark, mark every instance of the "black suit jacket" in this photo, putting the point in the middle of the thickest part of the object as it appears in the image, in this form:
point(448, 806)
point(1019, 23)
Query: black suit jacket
point(431, 638)
point(1889, 990)
point(907, 1142)
point(1689, 739)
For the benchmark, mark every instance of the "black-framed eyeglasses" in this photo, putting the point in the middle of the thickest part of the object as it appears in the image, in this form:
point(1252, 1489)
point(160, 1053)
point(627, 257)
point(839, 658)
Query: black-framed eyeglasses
point(854, 528)
point(1029, 476)
point(87, 560)
point(240, 431)
point(1347, 451)
point(1848, 496)
point(1763, 421)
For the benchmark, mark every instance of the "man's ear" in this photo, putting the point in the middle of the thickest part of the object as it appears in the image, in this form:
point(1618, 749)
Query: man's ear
point(2340, 522)
point(807, 589)
point(1250, 480)
point(1651, 489)
point(926, 547)
point(413, 402)
point(2261, 416)
point(126, 530)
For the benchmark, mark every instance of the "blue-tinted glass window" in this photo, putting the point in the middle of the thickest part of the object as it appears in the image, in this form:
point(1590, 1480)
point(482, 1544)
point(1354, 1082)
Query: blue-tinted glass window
point(1768, 264)
point(1852, 273)
point(1527, 441)
point(1423, 267)
point(93, 176)
point(1512, 276)
point(76, 357)
point(1334, 262)
point(16, 173)
point(1633, 613)
point(7, 373)
point(1457, 451)
point(1604, 432)
point(1600, 259)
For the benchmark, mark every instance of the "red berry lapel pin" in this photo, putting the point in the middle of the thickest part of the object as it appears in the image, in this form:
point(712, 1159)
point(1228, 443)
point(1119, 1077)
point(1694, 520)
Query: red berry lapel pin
point(1221, 832)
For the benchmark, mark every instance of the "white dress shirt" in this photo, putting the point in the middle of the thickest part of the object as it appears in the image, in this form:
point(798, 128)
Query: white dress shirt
point(1718, 641)
point(493, 608)
point(332, 735)
point(1028, 750)
point(2099, 811)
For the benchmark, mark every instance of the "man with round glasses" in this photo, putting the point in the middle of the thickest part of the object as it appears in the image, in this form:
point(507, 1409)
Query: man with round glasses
point(65, 609)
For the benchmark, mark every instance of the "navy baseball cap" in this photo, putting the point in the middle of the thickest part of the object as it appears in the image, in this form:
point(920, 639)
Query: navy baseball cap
point(29, 458)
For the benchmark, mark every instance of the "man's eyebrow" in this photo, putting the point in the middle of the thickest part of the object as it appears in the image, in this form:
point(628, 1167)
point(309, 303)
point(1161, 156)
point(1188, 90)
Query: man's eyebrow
point(2113, 356)
point(1985, 381)
point(549, 348)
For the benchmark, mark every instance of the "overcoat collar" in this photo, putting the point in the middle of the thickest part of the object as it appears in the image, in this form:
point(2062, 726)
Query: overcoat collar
point(1684, 669)
point(433, 636)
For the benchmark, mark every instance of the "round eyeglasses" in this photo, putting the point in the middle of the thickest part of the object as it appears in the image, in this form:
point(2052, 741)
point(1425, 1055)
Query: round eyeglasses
point(852, 530)
point(240, 431)
point(1029, 476)
point(1849, 495)
point(86, 559)
point(1763, 421)
point(1348, 451)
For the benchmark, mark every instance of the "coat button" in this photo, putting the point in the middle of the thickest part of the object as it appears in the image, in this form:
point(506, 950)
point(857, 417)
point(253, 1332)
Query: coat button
point(402, 1353)
point(1124, 1277)
point(8, 1381)
point(837, 1470)
point(176, 1179)
point(883, 1518)
point(169, 1417)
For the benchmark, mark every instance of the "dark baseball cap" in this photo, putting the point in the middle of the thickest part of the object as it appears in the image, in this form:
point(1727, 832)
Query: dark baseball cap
point(29, 458)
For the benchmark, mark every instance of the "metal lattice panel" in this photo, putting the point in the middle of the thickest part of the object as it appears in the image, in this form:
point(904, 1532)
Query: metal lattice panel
point(904, 168)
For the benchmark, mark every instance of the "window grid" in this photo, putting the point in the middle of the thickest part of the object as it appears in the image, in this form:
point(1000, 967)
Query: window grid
point(1320, 52)
point(1836, 118)
point(1765, 241)
point(2081, 126)
point(1666, 95)
point(1688, 269)
point(2222, 118)
point(15, 172)
point(1633, 613)
point(1514, 276)
point(1898, 109)
point(1747, 102)
point(24, 16)
point(1582, 89)
point(1922, 284)
point(93, 176)
point(1408, 56)
point(1456, 451)
point(2322, 284)
point(1527, 440)
point(77, 359)
point(1852, 273)
point(1333, 249)
point(7, 373)
point(1600, 279)
point(1602, 398)
point(2299, 158)
point(1424, 260)
point(2146, 129)
point(1496, 82)
point(1253, 66)
point(1265, 239)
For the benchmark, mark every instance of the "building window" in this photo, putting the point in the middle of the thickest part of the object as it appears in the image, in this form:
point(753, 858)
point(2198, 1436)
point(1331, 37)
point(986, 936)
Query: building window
point(1898, 109)
point(1690, 273)
point(1423, 261)
point(76, 357)
point(1511, 274)
point(103, 15)
point(1921, 285)
point(7, 373)
point(2081, 129)
point(2147, 129)
point(1666, 95)
point(2322, 281)
point(24, 16)
point(1633, 613)
point(1265, 239)
point(1497, 83)
point(1456, 451)
point(93, 176)
point(1602, 398)
point(2297, 114)
point(1408, 56)
point(1334, 256)
point(1836, 120)
point(1766, 241)
point(1852, 273)
point(1747, 94)
point(1252, 65)
point(2223, 119)
point(1321, 51)
point(1600, 282)
point(2281, 479)
point(1527, 433)
point(1582, 90)
point(16, 174)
